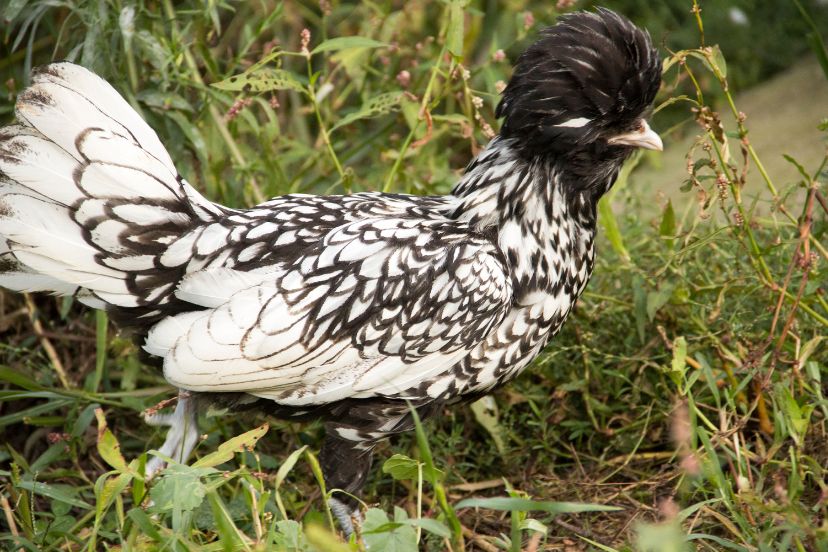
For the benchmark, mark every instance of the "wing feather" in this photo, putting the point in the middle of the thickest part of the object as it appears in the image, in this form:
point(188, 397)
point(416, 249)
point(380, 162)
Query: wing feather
point(368, 312)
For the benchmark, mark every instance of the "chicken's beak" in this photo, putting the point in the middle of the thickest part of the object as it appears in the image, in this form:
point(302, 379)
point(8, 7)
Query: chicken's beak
point(644, 137)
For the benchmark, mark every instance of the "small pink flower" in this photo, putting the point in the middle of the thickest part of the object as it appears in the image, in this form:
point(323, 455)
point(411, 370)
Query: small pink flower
point(528, 20)
point(499, 56)
point(237, 107)
point(305, 37)
point(404, 78)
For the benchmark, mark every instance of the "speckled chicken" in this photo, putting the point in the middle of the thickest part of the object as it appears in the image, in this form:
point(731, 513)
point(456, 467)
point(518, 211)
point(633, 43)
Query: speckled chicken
point(345, 307)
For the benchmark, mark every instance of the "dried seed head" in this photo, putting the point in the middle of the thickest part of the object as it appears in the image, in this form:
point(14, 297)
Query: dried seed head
point(237, 108)
point(500, 86)
point(680, 427)
point(667, 508)
point(690, 464)
point(723, 185)
point(486, 128)
point(305, 38)
point(270, 45)
point(742, 483)
point(56, 437)
point(564, 5)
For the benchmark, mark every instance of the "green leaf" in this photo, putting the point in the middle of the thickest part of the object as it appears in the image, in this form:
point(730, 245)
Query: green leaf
point(322, 539)
point(230, 536)
point(679, 354)
point(640, 306)
point(84, 420)
point(107, 490)
point(814, 38)
point(485, 412)
point(347, 42)
point(717, 61)
point(19, 380)
point(511, 504)
point(454, 33)
point(180, 488)
point(12, 9)
point(192, 133)
point(380, 534)
point(289, 536)
point(287, 465)
point(262, 80)
point(60, 493)
point(228, 449)
point(667, 228)
point(108, 446)
point(679, 362)
point(374, 107)
point(611, 228)
point(401, 467)
point(143, 521)
point(657, 299)
point(432, 526)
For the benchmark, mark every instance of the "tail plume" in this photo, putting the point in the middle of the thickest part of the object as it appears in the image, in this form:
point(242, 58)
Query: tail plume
point(90, 200)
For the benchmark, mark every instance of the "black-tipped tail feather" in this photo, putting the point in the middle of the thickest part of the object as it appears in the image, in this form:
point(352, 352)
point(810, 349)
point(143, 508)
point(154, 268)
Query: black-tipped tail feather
point(90, 200)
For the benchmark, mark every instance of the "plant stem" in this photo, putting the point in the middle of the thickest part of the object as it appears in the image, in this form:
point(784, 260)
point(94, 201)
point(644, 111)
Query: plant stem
point(214, 113)
point(323, 131)
point(389, 180)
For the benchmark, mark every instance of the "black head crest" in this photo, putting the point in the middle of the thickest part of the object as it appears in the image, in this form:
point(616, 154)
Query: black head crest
point(589, 75)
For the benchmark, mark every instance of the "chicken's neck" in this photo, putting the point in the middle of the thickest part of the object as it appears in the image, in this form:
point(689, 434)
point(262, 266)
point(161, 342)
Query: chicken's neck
point(542, 213)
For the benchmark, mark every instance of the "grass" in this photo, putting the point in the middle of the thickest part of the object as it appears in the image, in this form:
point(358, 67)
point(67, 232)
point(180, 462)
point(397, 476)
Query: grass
point(681, 408)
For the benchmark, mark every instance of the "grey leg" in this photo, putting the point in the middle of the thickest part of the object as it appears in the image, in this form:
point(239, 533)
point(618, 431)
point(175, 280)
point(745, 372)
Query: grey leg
point(182, 436)
point(345, 514)
point(345, 464)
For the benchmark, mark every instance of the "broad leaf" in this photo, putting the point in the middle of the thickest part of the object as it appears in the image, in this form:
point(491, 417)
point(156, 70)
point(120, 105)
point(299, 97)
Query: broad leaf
point(454, 33)
point(261, 80)
point(400, 467)
point(657, 299)
point(180, 488)
point(59, 493)
point(381, 534)
point(667, 228)
point(486, 414)
point(374, 107)
point(346, 42)
point(108, 446)
point(228, 449)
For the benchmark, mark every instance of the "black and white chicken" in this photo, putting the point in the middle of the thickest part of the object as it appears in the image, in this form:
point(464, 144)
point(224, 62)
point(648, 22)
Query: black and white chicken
point(346, 307)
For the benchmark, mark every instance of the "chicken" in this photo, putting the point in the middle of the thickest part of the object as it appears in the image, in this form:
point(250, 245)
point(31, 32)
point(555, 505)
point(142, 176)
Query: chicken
point(345, 307)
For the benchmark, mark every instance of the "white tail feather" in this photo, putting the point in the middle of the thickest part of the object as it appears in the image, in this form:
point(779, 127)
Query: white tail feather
point(89, 198)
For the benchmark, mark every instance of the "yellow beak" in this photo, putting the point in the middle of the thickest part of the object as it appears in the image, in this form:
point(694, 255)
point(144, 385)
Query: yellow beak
point(644, 137)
